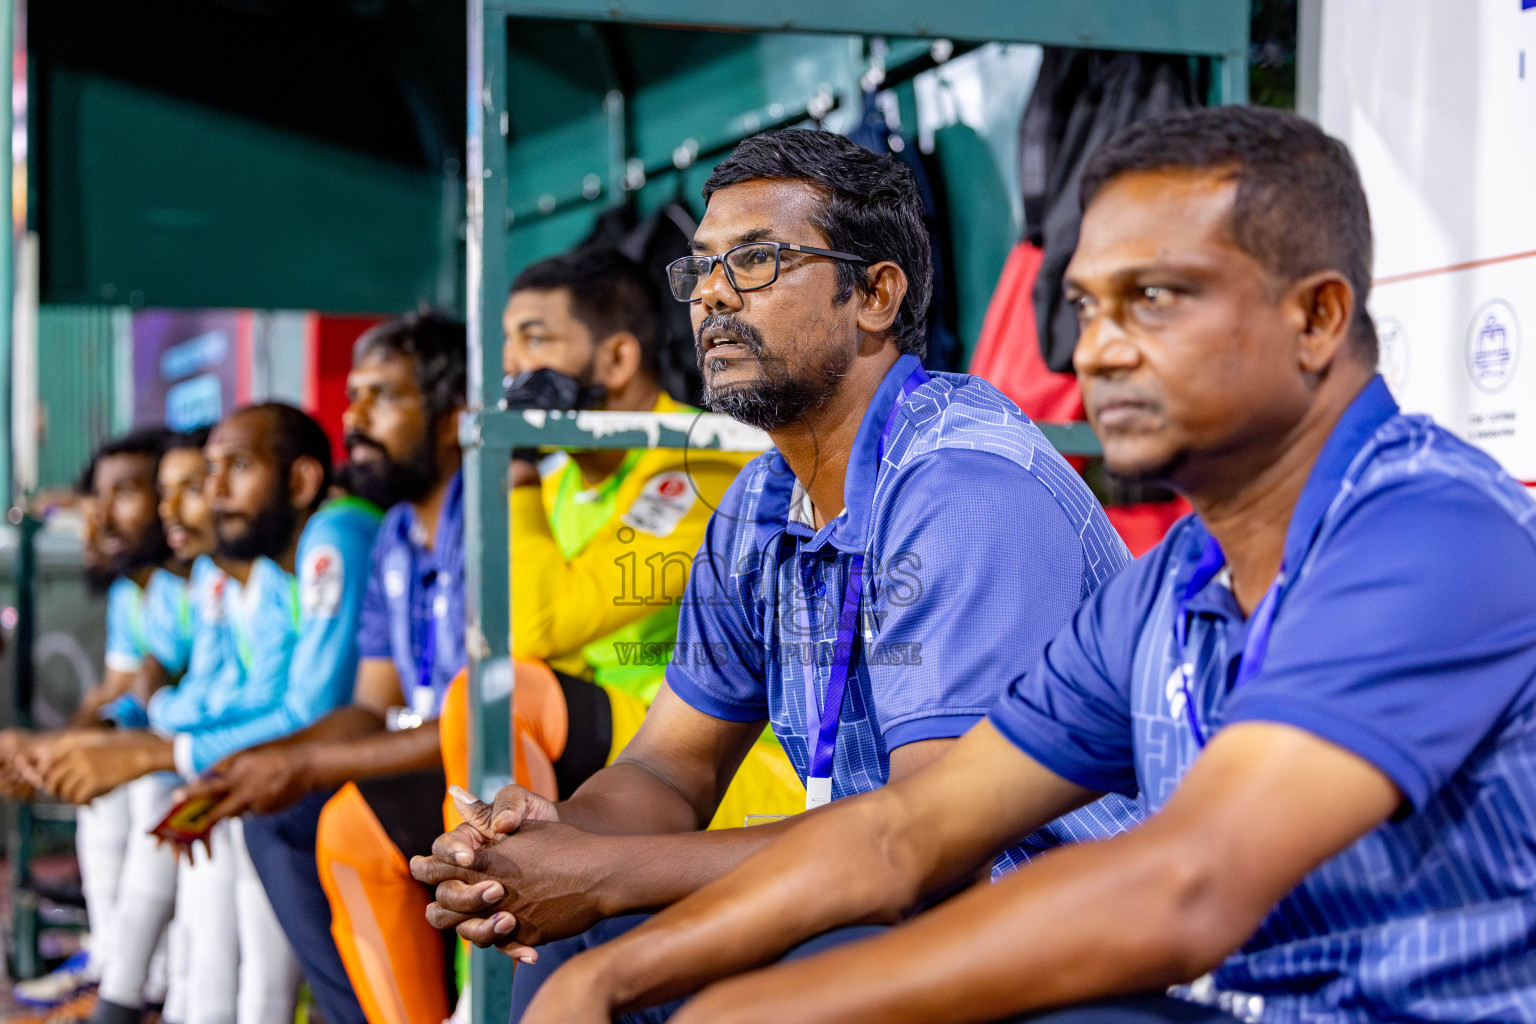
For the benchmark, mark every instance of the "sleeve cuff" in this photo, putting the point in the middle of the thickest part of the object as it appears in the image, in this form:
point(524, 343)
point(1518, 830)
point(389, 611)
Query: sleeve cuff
point(1029, 736)
point(1325, 723)
point(937, 727)
point(181, 751)
point(155, 712)
point(701, 700)
point(126, 711)
point(117, 661)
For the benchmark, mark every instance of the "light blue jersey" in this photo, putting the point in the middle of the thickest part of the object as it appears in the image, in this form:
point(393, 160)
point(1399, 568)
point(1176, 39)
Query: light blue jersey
point(125, 625)
point(167, 621)
point(156, 621)
point(295, 640)
point(211, 655)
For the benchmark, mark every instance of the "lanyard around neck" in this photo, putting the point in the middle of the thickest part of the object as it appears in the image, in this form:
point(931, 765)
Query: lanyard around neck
point(1254, 648)
point(818, 783)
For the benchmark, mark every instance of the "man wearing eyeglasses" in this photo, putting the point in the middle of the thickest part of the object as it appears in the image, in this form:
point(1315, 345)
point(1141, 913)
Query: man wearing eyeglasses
point(1321, 687)
point(865, 587)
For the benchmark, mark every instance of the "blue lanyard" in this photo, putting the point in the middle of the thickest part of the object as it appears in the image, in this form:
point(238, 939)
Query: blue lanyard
point(1254, 648)
point(425, 698)
point(818, 784)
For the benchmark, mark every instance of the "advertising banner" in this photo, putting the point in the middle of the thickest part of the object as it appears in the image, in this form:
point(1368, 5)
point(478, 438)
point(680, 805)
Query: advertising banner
point(1437, 100)
point(190, 367)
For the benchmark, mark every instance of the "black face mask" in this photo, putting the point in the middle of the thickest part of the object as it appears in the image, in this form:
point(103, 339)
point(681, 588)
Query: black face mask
point(549, 390)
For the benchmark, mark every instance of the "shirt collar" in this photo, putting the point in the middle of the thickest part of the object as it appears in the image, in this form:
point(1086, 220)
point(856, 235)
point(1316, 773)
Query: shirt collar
point(449, 518)
point(1371, 408)
point(847, 532)
point(1364, 416)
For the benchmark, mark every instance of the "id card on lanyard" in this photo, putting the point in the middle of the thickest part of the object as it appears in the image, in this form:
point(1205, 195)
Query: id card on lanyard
point(424, 693)
point(818, 781)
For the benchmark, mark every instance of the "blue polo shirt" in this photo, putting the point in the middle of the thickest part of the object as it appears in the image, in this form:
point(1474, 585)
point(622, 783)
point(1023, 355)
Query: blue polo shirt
point(413, 607)
point(978, 541)
point(1407, 637)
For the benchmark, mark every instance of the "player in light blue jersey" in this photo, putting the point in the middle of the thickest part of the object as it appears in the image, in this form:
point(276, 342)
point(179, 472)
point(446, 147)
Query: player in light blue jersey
point(288, 687)
point(139, 972)
point(125, 623)
point(268, 468)
point(125, 549)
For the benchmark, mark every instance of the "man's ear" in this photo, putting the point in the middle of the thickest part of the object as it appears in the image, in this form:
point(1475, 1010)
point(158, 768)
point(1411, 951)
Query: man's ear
point(305, 478)
point(878, 307)
point(1324, 306)
point(447, 427)
point(617, 361)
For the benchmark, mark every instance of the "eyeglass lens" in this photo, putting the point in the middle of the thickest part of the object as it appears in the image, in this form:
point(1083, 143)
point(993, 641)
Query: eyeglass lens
point(747, 267)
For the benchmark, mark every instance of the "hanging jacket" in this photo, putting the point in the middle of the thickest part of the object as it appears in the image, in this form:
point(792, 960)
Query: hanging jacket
point(1008, 353)
point(943, 350)
point(655, 241)
point(1081, 98)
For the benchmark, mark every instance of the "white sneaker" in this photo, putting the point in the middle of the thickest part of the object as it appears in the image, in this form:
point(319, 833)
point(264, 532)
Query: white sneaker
point(69, 979)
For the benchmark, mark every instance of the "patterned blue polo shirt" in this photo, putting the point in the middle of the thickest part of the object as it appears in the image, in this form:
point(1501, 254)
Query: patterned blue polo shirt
point(413, 606)
point(1408, 636)
point(978, 540)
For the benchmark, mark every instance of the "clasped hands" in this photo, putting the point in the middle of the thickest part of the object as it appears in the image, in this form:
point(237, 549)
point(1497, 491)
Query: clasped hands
point(512, 876)
point(76, 765)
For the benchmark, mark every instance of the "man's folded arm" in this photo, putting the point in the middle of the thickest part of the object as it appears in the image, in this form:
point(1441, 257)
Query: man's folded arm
point(1159, 905)
point(865, 859)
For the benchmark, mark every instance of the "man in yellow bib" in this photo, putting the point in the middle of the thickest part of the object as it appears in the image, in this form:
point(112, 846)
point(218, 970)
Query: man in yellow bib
point(602, 541)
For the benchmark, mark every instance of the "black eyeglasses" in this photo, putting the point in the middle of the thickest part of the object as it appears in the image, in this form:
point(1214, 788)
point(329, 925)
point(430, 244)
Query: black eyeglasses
point(748, 267)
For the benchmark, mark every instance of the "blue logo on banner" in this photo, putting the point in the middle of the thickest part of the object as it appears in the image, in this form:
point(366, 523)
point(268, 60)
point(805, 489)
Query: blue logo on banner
point(199, 353)
point(194, 403)
point(1526, 5)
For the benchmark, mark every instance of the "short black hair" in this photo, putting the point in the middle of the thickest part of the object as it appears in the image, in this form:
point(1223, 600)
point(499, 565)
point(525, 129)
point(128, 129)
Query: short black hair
point(295, 435)
point(150, 442)
point(196, 438)
point(873, 210)
point(610, 293)
point(1300, 207)
point(438, 344)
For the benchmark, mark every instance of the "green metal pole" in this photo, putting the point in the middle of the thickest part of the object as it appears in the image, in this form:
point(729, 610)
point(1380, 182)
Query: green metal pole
point(25, 960)
point(7, 253)
point(23, 902)
point(485, 508)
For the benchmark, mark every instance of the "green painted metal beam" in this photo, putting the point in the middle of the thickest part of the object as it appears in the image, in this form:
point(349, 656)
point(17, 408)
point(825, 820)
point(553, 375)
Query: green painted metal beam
point(1204, 27)
point(502, 431)
point(488, 596)
point(7, 261)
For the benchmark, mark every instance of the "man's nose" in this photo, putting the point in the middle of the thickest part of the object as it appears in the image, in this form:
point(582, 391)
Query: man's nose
point(1103, 347)
point(716, 294)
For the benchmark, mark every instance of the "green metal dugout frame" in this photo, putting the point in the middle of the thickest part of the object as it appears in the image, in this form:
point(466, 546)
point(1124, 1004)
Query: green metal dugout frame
point(1212, 29)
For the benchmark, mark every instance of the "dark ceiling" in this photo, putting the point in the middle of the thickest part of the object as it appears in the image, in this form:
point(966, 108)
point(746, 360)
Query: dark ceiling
point(382, 77)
